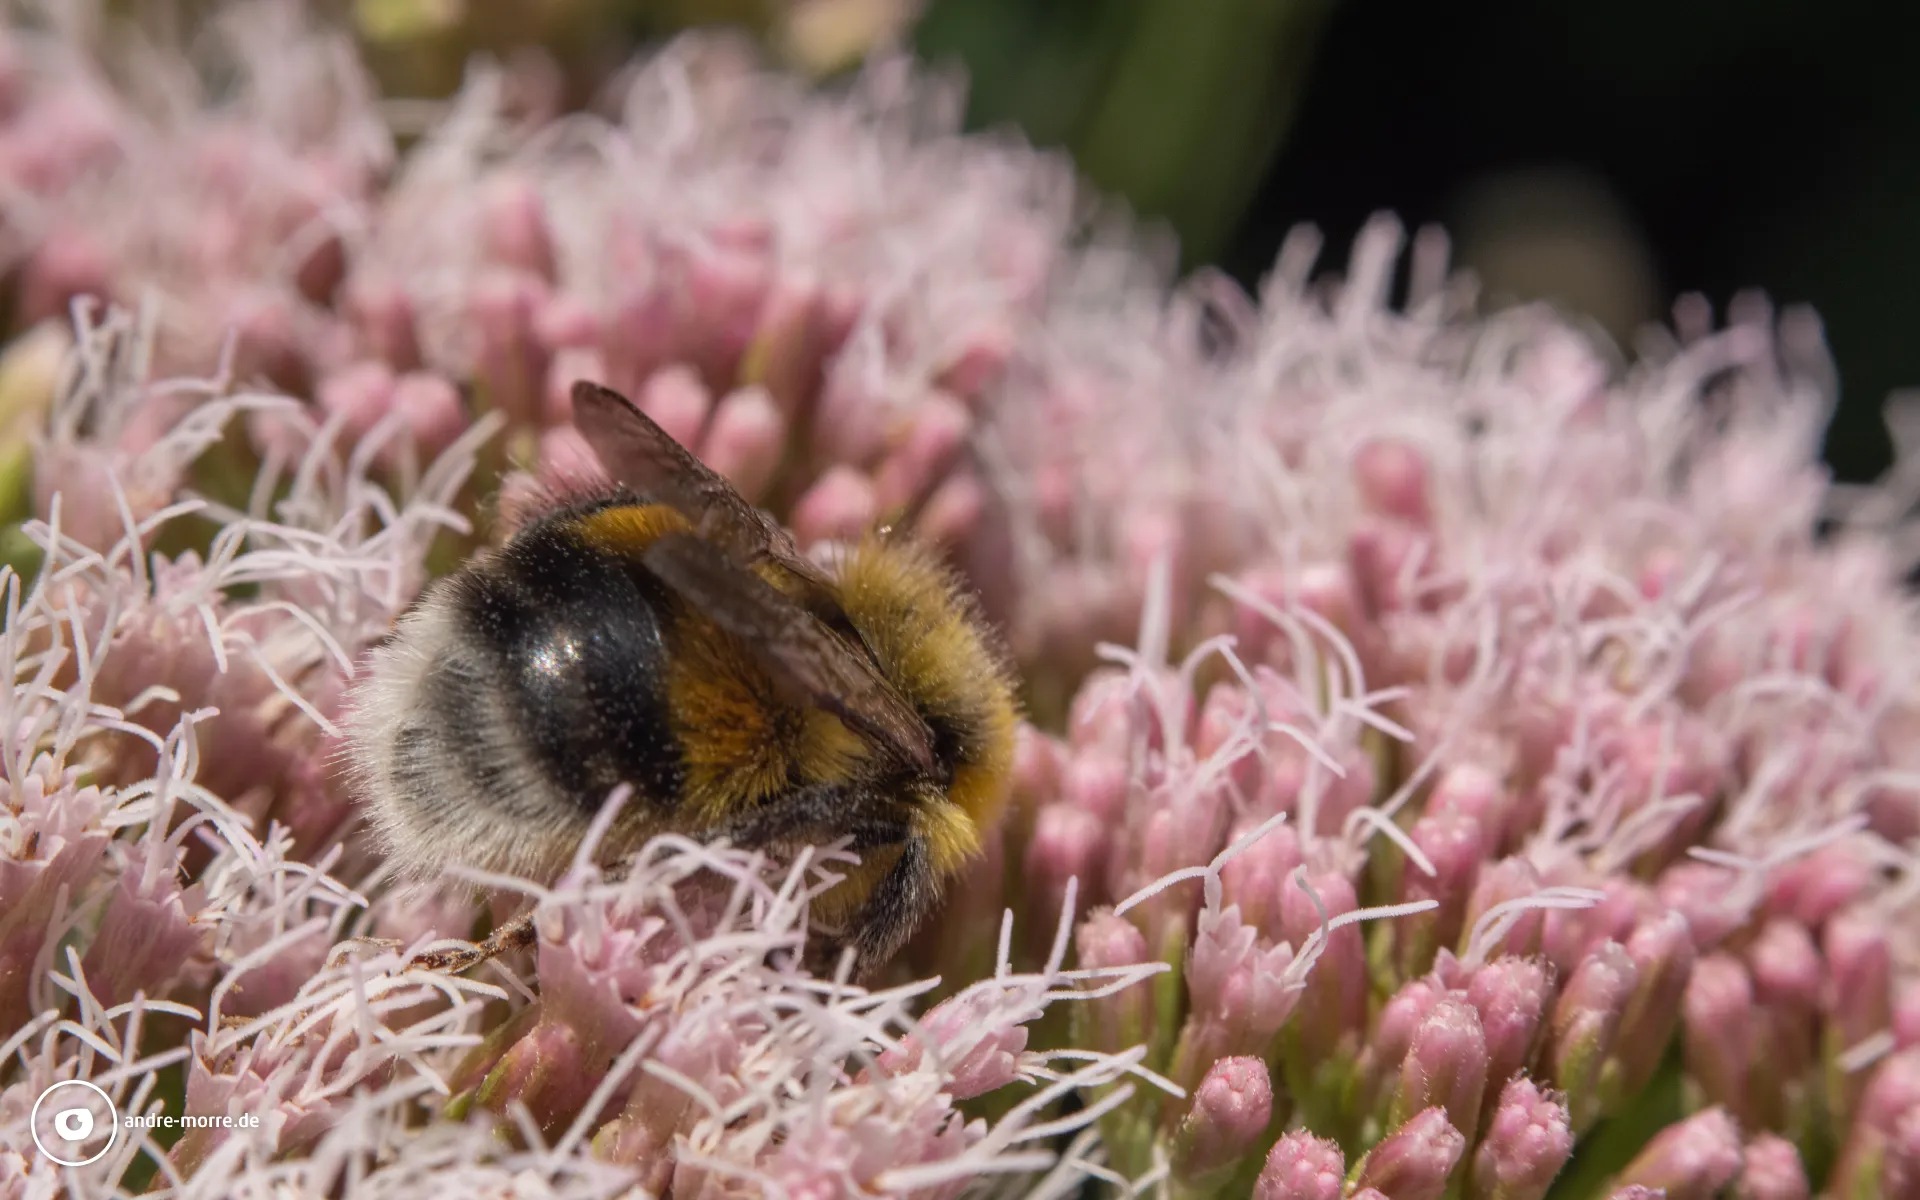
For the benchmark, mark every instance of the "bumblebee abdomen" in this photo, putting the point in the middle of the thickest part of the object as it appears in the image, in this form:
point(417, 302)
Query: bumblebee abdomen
point(579, 640)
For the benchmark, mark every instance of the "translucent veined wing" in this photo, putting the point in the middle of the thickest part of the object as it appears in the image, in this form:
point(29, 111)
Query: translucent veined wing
point(640, 455)
point(809, 661)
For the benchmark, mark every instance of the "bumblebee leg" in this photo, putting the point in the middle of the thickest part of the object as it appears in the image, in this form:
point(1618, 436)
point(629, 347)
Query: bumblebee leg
point(903, 895)
point(873, 820)
point(823, 813)
point(516, 934)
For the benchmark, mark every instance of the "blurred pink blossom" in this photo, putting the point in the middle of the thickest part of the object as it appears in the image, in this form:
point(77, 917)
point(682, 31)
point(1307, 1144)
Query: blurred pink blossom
point(1435, 724)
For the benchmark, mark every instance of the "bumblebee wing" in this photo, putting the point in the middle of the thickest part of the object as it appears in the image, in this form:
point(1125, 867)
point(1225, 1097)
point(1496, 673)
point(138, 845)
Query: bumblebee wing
point(644, 457)
point(804, 656)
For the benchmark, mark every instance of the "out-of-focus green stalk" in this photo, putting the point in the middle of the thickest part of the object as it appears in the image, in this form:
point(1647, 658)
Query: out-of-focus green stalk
point(29, 372)
point(1179, 107)
point(1194, 107)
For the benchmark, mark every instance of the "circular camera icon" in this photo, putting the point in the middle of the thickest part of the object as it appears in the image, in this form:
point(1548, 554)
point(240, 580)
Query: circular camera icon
point(74, 1123)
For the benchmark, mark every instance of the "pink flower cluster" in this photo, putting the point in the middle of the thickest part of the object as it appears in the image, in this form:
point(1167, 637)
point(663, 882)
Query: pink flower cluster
point(1451, 747)
point(1556, 661)
point(176, 898)
point(817, 294)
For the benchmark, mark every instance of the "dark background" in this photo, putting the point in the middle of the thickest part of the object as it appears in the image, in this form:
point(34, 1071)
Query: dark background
point(1702, 145)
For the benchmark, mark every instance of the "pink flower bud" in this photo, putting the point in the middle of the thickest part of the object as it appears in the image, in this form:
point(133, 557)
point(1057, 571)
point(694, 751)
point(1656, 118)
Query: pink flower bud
point(1710, 898)
point(1256, 637)
point(1331, 1017)
point(976, 1038)
point(1240, 992)
point(513, 229)
point(267, 333)
point(1378, 554)
point(1473, 791)
point(725, 286)
point(637, 337)
point(745, 440)
point(840, 506)
point(511, 366)
point(1693, 1159)
point(383, 321)
point(1232, 976)
point(1528, 1140)
point(1455, 845)
point(1231, 1108)
point(1326, 813)
point(933, 440)
point(1302, 1167)
point(68, 263)
point(1509, 879)
point(1100, 717)
point(1571, 934)
point(566, 322)
point(1125, 1019)
point(81, 476)
point(1893, 813)
point(952, 514)
point(251, 1085)
point(1255, 879)
point(849, 423)
point(1906, 1016)
point(1884, 1133)
point(789, 344)
point(61, 843)
point(1392, 480)
point(1772, 1171)
point(1096, 784)
point(1414, 1161)
point(1446, 1067)
point(1786, 965)
point(678, 402)
point(359, 395)
point(1225, 715)
point(1669, 758)
point(1067, 843)
point(1721, 1037)
point(1813, 888)
point(1859, 990)
point(147, 939)
point(703, 1047)
point(545, 1069)
point(1900, 1170)
point(1399, 1021)
point(56, 142)
point(1586, 1022)
point(1173, 836)
point(556, 1051)
point(1663, 958)
point(982, 356)
point(1037, 767)
point(1511, 995)
point(431, 406)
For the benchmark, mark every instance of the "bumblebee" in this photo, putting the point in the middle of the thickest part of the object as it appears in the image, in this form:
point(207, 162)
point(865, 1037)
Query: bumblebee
point(664, 633)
